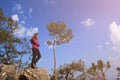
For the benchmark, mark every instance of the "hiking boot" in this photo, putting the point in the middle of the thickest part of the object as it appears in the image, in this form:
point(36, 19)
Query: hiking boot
point(33, 65)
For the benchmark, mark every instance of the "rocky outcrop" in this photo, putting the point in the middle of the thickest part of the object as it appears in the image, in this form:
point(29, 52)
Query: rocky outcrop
point(8, 72)
point(33, 74)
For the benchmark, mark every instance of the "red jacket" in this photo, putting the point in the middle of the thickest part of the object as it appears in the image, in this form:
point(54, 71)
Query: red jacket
point(35, 44)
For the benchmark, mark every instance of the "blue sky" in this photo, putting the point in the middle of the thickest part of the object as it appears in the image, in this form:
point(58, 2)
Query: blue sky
point(95, 26)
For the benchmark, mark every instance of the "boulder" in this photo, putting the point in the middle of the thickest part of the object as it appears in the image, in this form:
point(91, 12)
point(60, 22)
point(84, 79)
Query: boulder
point(32, 74)
point(7, 72)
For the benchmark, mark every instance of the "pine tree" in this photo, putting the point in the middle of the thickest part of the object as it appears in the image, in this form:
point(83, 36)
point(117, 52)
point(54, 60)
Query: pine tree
point(10, 45)
point(60, 36)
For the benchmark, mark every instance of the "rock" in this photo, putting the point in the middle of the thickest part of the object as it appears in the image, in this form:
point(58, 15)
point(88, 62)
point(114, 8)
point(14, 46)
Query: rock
point(8, 72)
point(33, 74)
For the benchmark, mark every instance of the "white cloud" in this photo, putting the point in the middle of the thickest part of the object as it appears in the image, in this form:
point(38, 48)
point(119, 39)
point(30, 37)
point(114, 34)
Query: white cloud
point(99, 47)
point(115, 48)
point(107, 43)
point(18, 8)
point(22, 22)
point(105, 46)
point(25, 32)
point(87, 22)
point(115, 60)
point(30, 10)
point(15, 17)
point(114, 30)
point(31, 31)
point(20, 31)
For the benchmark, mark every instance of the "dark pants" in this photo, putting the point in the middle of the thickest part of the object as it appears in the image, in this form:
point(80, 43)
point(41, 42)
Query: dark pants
point(36, 56)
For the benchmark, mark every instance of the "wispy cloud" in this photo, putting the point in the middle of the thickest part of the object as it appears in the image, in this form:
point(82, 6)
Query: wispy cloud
point(106, 46)
point(107, 43)
point(115, 60)
point(87, 22)
point(18, 8)
point(100, 47)
point(114, 36)
point(31, 31)
point(114, 30)
point(20, 31)
point(25, 32)
point(30, 10)
point(22, 22)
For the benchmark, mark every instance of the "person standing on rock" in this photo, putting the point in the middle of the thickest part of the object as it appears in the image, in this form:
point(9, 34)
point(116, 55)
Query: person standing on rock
point(35, 50)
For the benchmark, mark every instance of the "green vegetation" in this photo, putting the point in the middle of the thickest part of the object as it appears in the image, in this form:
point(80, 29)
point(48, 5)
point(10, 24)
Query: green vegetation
point(9, 42)
point(118, 76)
point(78, 71)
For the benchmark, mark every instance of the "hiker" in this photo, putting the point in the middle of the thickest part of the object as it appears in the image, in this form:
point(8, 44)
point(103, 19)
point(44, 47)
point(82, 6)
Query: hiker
point(35, 50)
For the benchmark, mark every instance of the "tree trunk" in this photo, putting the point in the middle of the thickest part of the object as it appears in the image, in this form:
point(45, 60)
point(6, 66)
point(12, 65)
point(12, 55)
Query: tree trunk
point(66, 76)
point(55, 71)
point(103, 75)
point(20, 63)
